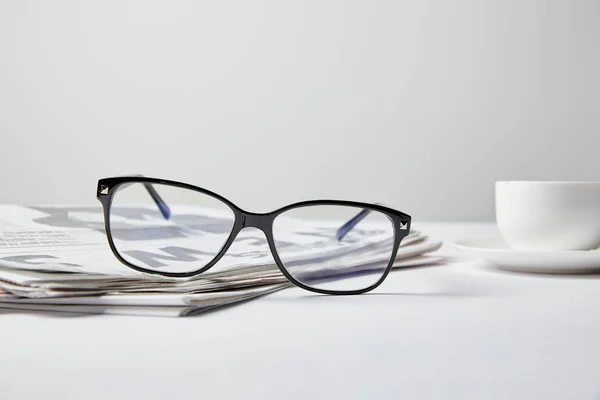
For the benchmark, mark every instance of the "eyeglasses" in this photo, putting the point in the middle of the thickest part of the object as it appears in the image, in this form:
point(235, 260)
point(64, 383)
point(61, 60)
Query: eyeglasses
point(175, 229)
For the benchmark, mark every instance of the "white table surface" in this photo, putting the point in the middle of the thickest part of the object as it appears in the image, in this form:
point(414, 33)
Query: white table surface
point(460, 331)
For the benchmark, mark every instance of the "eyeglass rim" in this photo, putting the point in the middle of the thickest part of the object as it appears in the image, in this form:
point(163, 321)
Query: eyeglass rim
point(106, 189)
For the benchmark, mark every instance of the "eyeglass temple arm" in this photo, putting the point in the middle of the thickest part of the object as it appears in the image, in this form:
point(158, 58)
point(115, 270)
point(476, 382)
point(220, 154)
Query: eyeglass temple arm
point(160, 203)
point(352, 222)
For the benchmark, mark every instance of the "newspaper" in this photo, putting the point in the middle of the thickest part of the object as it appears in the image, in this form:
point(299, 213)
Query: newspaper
point(56, 258)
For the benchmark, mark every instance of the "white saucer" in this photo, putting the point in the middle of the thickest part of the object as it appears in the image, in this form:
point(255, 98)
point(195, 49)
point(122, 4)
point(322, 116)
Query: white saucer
point(497, 252)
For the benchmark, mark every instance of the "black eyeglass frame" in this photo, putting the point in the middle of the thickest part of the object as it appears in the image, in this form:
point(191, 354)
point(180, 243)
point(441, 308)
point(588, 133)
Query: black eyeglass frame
point(244, 219)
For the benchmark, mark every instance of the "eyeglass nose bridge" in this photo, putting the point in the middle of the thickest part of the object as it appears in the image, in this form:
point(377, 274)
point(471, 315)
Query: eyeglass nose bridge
point(254, 220)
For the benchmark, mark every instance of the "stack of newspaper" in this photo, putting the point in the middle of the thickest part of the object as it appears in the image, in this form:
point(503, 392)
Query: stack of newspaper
point(56, 258)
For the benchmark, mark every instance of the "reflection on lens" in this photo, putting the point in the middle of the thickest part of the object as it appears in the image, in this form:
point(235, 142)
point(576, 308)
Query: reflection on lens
point(168, 229)
point(306, 240)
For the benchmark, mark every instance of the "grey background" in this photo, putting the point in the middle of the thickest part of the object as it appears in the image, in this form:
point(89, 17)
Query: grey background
point(421, 105)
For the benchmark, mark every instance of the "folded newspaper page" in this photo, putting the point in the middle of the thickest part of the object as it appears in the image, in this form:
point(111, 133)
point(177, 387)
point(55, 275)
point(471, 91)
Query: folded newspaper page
point(56, 258)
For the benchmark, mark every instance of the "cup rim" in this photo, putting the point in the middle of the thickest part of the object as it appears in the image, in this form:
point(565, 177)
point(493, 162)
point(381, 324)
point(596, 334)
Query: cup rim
point(552, 182)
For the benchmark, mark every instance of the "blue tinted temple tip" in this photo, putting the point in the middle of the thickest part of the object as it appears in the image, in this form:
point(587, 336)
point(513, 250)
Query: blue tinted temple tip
point(348, 226)
point(160, 203)
point(164, 210)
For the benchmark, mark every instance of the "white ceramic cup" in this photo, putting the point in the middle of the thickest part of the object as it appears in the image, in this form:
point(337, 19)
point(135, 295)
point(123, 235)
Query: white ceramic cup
point(549, 216)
